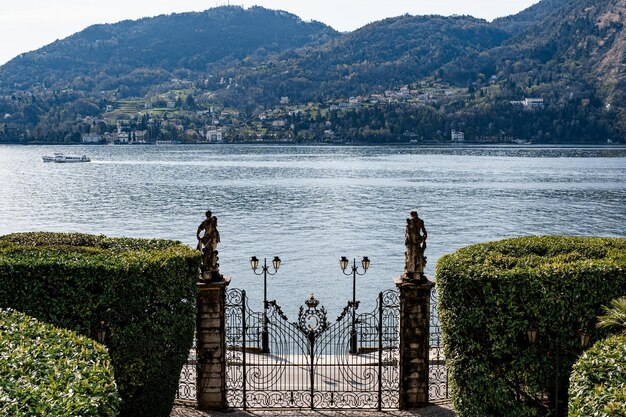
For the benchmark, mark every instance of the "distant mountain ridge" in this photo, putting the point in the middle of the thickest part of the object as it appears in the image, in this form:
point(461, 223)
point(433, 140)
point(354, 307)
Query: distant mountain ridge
point(531, 16)
point(581, 43)
point(177, 42)
point(585, 39)
point(381, 55)
point(571, 53)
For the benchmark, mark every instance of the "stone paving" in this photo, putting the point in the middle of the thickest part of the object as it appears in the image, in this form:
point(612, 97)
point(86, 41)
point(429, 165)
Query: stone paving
point(442, 410)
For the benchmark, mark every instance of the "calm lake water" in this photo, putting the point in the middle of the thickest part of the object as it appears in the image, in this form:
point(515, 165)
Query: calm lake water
point(311, 205)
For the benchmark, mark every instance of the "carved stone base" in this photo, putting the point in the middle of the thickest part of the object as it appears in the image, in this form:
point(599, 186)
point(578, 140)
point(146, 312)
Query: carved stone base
point(211, 345)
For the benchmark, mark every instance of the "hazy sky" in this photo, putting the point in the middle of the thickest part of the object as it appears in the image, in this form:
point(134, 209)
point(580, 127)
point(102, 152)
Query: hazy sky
point(30, 24)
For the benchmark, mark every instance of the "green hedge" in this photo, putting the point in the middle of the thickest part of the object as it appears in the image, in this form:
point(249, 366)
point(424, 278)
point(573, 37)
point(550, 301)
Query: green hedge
point(491, 294)
point(46, 371)
point(598, 381)
point(144, 290)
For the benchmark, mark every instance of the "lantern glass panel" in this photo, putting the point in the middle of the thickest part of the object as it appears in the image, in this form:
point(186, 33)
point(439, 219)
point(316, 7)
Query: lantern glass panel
point(343, 263)
point(366, 263)
point(276, 262)
point(254, 263)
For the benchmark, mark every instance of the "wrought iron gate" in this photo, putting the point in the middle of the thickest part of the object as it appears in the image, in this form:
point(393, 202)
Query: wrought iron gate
point(187, 384)
point(437, 371)
point(351, 362)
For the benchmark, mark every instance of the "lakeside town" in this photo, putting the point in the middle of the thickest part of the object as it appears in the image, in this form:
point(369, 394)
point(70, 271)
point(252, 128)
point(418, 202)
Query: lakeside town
point(183, 115)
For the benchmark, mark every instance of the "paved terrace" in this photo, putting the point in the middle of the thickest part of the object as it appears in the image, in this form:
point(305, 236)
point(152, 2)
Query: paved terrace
point(443, 410)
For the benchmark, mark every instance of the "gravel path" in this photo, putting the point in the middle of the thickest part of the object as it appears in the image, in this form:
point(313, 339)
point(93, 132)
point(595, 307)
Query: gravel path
point(442, 410)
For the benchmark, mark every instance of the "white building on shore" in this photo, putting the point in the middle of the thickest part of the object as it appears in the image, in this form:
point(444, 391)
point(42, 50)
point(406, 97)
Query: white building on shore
point(214, 134)
point(458, 136)
point(91, 138)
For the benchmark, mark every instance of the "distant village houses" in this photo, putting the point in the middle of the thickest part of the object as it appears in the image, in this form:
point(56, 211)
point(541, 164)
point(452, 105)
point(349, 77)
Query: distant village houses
point(139, 137)
point(123, 138)
point(214, 134)
point(278, 123)
point(530, 103)
point(91, 138)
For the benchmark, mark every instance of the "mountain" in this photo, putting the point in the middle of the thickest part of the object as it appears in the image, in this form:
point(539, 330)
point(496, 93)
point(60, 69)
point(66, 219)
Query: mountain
point(531, 16)
point(569, 49)
point(261, 73)
point(150, 50)
point(570, 53)
point(381, 55)
point(585, 40)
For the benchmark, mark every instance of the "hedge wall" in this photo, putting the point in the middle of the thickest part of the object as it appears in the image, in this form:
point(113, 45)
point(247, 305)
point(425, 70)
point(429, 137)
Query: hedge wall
point(143, 290)
point(598, 381)
point(47, 371)
point(491, 294)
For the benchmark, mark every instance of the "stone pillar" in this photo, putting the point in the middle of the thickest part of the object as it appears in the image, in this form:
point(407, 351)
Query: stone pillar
point(211, 345)
point(414, 343)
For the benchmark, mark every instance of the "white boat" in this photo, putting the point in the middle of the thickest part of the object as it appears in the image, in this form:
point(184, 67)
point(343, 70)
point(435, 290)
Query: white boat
point(61, 158)
point(48, 158)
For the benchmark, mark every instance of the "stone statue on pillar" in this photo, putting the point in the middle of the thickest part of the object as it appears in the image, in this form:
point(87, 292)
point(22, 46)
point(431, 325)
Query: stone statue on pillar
point(208, 237)
point(415, 241)
point(415, 292)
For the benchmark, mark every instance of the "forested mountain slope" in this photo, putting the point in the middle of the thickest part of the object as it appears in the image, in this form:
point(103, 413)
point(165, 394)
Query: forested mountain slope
point(144, 52)
point(381, 55)
point(537, 13)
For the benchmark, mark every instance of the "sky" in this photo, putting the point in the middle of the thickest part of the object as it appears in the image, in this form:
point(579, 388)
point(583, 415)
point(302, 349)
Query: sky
point(27, 25)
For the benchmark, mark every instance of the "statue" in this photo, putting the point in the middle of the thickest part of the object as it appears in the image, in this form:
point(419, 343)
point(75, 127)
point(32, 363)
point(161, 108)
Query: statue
point(208, 237)
point(415, 241)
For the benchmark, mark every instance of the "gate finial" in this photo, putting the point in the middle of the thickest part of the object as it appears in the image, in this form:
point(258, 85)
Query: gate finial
point(311, 302)
point(415, 241)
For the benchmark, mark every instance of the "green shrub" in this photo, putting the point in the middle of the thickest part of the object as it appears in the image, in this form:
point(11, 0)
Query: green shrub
point(598, 381)
point(614, 317)
point(143, 290)
point(491, 294)
point(47, 371)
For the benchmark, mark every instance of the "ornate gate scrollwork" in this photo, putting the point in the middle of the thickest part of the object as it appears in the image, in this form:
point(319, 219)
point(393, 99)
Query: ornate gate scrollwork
point(437, 371)
point(312, 321)
point(309, 364)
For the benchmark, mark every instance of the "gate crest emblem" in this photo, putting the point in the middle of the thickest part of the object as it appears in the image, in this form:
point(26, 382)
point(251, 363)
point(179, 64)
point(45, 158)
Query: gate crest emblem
point(312, 321)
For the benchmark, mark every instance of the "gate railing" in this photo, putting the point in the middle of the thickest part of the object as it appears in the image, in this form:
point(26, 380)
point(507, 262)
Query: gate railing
point(309, 364)
point(290, 376)
point(437, 371)
point(187, 384)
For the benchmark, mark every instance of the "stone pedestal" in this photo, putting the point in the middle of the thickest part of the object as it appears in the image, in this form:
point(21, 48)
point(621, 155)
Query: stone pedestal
point(414, 343)
point(211, 345)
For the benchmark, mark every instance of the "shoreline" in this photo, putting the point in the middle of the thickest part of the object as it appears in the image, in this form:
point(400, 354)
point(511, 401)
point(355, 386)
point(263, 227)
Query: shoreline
point(353, 144)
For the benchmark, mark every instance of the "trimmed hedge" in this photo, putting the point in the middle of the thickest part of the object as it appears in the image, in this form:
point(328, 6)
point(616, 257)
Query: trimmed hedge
point(143, 290)
point(491, 294)
point(47, 371)
point(598, 381)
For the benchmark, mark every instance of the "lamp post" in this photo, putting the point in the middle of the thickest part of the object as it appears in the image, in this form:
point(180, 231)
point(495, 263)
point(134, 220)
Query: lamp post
point(365, 264)
point(254, 264)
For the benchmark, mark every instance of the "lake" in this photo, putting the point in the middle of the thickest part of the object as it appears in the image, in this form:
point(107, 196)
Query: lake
point(312, 205)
